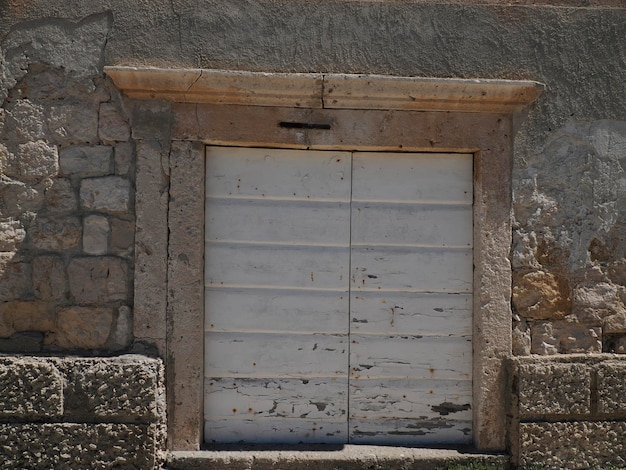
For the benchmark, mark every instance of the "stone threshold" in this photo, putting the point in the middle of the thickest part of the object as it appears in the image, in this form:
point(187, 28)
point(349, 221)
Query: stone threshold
point(347, 457)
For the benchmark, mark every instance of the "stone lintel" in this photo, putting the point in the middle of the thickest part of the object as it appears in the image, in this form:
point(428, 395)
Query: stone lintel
point(332, 91)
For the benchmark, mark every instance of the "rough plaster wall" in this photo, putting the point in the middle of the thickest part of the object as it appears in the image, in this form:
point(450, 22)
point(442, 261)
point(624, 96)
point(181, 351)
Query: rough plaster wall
point(568, 175)
point(66, 215)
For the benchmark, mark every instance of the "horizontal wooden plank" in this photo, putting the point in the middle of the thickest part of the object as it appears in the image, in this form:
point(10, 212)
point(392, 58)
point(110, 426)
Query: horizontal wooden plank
point(415, 177)
point(275, 355)
point(427, 357)
point(437, 225)
point(411, 398)
point(290, 266)
point(311, 222)
point(262, 399)
point(417, 314)
point(278, 173)
point(275, 431)
point(410, 432)
point(420, 269)
point(259, 310)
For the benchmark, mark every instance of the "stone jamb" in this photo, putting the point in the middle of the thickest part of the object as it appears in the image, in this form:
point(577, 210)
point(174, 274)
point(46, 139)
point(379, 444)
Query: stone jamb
point(389, 118)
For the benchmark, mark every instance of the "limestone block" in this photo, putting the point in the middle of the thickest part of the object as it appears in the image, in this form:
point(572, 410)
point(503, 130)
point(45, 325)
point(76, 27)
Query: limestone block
point(122, 335)
point(548, 388)
point(151, 239)
point(12, 235)
point(119, 390)
point(540, 295)
point(74, 123)
point(17, 197)
point(70, 445)
point(55, 233)
point(31, 389)
point(521, 339)
point(122, 237)
point(123, 158)
point(595, 302)
point(112, 125)
point(14, 278)
point(620, 345)
point(37, 160)
point(565, 337)
point(96, 235)
point(82, 328)
point(25, 315)
point(110, 194)
point(524, 252)
point(98, 280)
point(49, 279)
point(86, 161)
point(615, 323)
point(577, 444)
point(60, 197)
point(612, 387)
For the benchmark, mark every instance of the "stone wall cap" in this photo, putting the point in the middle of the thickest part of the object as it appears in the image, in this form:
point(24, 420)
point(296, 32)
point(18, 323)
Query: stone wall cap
point(326, 91)
point(567, 358)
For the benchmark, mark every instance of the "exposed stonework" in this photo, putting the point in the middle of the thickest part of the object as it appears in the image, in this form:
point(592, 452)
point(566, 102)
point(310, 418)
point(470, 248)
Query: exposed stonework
point(110, 194)
point(49, 278)
point(96, 231)
point(98, 279)
point(86, 161)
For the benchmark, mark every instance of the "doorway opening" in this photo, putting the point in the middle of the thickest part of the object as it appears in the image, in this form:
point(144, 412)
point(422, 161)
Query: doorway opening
point(338, 297)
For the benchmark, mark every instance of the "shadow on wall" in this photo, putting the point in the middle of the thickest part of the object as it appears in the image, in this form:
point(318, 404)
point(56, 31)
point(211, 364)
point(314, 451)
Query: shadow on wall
point(66, 197)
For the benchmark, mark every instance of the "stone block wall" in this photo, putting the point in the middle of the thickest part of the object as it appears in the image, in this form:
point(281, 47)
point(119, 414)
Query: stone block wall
point(81, 412)
point(66, 193)
point(568, 411)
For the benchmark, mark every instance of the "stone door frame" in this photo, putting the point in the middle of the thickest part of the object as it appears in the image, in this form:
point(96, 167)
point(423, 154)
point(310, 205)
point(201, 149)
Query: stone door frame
point(175, 113)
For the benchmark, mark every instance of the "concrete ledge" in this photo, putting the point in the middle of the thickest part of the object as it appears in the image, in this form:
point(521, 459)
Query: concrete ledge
point(579, 444)
point(70, 445)
point(349, 457)
point(338, 91)
point(82, 412)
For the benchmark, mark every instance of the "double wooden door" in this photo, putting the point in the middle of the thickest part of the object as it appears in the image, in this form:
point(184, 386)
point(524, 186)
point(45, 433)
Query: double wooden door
point(338, 291)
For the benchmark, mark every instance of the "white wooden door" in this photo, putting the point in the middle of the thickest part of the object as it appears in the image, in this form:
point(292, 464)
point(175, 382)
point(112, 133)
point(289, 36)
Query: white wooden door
point(338, 297)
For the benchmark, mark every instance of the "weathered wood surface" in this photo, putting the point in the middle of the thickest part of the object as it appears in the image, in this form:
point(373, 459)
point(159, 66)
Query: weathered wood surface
point(410, 177)
point(276, 173)
point(411, 275)
point(411, 314)
point(277, 310)
point(338, 297)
